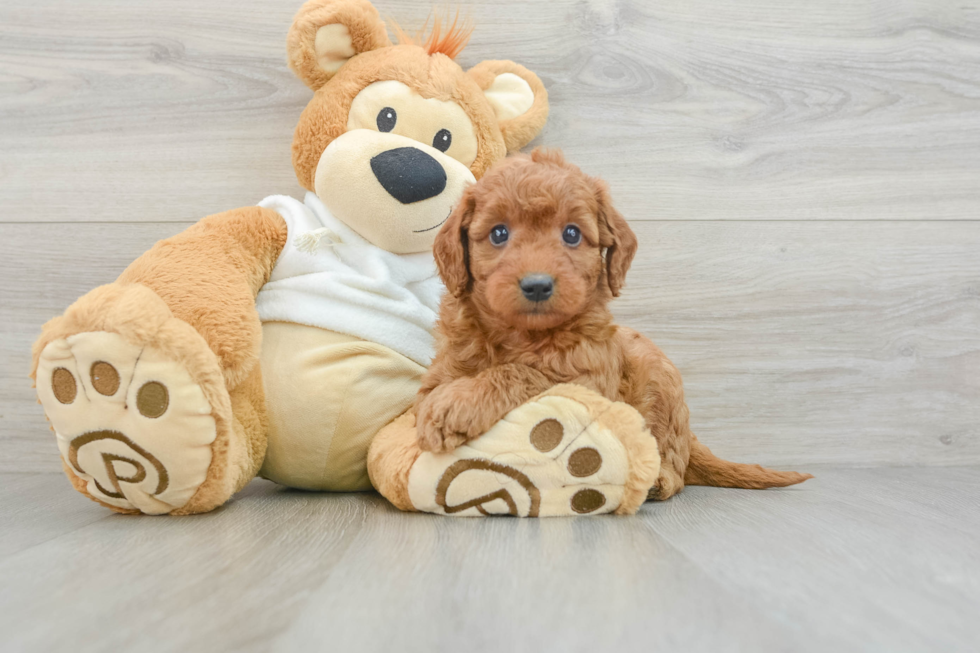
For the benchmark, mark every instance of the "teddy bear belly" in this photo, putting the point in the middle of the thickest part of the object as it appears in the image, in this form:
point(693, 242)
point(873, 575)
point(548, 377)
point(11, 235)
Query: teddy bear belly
point(328, 394)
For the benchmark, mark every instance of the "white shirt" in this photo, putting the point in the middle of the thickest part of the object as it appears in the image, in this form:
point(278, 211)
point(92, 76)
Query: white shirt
point(338, 281)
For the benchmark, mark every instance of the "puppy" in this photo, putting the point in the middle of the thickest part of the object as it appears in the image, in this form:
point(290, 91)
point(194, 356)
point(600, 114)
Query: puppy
point(531, 257)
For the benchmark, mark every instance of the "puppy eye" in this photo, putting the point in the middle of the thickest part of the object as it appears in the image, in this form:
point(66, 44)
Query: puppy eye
point(572, 235)
point(499, 235)
point(443, 140)
point(387, 119)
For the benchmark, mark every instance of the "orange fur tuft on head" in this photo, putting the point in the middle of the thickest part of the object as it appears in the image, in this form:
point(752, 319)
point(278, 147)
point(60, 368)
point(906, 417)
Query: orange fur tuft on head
point(450, 43)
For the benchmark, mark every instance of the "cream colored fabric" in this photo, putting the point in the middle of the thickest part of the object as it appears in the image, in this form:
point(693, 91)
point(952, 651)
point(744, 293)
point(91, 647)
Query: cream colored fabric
point(333, 46)
point(553, 456)
point(135, 428)
point(328, 395)
point(346, 182)
point(510, 96)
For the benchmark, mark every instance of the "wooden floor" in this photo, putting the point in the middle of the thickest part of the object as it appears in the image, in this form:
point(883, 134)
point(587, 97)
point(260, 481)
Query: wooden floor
point(855, 560)
point(804, 179)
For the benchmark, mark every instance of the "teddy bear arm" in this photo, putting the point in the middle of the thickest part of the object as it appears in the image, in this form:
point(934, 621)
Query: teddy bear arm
point(209, 275)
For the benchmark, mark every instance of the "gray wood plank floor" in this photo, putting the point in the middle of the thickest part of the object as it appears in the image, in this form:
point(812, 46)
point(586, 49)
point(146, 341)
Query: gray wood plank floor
point(881, 559)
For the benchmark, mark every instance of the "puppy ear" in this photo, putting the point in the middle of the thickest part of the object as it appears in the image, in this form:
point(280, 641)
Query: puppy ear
point(616, 236)
point(326, 33)
point(517, 97)
point(451, 248)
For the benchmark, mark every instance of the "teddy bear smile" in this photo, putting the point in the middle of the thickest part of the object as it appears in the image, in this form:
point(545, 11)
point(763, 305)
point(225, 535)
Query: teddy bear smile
point(420, 231)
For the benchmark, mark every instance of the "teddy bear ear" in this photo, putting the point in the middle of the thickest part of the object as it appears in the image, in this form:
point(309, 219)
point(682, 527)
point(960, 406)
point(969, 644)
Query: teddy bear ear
point(517, 97)
point(326, 33)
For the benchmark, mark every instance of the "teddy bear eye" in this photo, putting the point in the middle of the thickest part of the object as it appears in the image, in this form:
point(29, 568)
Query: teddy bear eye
point(499, 235)
point(387, 119)
point(572, 235)
point(443, 140)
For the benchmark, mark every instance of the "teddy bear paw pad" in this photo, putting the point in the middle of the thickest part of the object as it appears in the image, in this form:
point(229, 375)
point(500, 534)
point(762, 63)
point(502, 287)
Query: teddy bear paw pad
point(549, 457)
point(130, 422)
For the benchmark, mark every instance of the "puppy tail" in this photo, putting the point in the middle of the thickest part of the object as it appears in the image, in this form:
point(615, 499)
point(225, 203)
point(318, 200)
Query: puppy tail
point(704, 468)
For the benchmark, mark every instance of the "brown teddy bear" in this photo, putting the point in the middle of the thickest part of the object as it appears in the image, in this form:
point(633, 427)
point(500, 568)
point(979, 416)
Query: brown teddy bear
point(280, 339)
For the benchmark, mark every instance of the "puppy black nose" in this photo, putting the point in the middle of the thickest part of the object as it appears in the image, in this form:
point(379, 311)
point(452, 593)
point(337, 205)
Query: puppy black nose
point(409, 174)
point(537, 287)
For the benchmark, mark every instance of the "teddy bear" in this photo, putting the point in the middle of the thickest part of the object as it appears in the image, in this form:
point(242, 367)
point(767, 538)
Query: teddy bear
point(278, 340)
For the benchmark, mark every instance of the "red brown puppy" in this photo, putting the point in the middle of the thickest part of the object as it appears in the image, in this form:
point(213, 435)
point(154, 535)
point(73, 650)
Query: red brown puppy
point(531, 257)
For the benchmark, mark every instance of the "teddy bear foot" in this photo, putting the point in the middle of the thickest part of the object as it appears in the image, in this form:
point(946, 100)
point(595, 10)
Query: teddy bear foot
point(566, 452)
point(129, 422)
point(136, 432)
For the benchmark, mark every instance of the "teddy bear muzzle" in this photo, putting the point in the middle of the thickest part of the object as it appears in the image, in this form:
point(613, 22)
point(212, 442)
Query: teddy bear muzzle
point(394, 191)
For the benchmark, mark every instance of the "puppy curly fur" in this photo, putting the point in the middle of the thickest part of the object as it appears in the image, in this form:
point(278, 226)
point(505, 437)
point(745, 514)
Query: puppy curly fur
point(498, 349)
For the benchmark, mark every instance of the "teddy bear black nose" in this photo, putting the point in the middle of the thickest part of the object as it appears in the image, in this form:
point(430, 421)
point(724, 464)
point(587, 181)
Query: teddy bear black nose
point(409, 174)
point(537, 287)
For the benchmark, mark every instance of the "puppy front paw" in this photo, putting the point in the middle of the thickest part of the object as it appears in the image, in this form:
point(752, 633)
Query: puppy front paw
point(451, 416)
point(437, 440)
point(433, 432)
